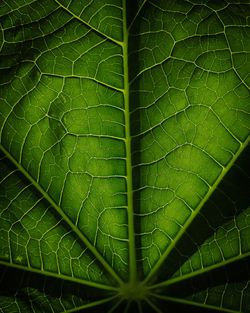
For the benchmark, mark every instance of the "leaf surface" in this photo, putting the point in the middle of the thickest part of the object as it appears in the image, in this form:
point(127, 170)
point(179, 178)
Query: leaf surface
point(124, 129)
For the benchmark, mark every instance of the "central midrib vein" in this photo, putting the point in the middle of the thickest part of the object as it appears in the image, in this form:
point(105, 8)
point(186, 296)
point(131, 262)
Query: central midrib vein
point(131, 231)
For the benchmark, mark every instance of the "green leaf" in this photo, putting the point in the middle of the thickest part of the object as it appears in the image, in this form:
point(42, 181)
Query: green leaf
point(124, 177)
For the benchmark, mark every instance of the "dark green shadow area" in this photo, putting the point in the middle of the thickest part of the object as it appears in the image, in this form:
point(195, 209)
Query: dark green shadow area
point(225, 287)
point(46, 294)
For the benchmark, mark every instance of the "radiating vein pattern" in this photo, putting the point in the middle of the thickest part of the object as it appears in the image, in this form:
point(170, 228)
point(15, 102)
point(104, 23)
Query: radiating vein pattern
point(124, 131)
point(190, 105)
